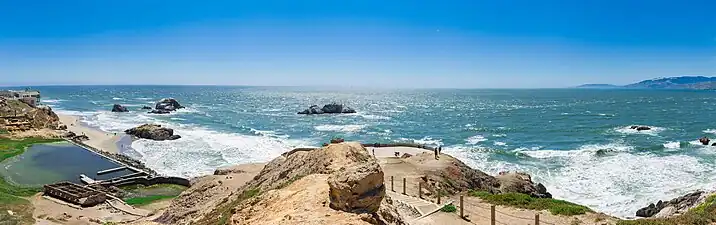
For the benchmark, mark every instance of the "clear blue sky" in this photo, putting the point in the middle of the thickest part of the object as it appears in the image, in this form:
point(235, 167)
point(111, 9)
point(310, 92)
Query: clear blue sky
point(447, 43)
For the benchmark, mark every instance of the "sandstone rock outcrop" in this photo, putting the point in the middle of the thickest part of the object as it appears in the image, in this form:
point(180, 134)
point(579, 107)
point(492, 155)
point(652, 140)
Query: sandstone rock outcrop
point(329, 108)
point(674, 206)
point(521, 183)
point(31, 117)
point(337, 184)
point(168, 104)
point(357, 189)
point(119, 108)
point(153, 131)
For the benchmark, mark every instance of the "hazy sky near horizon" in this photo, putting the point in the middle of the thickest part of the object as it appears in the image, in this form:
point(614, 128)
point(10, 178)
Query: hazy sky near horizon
point(448, 43)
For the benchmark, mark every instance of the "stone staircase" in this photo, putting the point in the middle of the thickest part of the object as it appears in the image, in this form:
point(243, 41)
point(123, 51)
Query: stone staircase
point(421, 206)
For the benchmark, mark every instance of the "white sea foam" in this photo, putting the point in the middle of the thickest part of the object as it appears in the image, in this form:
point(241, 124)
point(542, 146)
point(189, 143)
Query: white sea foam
point(143, 98)
point(499, 143)
point(672, 145)
point(627, 130)
point(475, 139)
point(340, 128)
point(499, 135)
point(52, 100)
point(423, 141)
point(199, 151)
point(115, 98)
point(710, 131)
point(617, 183)
point(375, 117)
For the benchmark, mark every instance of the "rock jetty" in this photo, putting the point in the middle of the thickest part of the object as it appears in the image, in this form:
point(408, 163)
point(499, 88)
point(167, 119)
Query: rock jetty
point(329, 108)
point(153, 131)
point(119, 108)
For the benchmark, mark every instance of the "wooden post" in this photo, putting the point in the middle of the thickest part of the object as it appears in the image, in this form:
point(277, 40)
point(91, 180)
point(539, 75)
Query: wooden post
point(404, 186)
point(420, 190)
point(492, 215)
point(536, 218)
point(438, 196)
point(392, 186)
point(462, 210)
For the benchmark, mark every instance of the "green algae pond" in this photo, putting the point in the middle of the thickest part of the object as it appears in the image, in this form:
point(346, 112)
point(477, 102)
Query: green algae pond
point(48, 163)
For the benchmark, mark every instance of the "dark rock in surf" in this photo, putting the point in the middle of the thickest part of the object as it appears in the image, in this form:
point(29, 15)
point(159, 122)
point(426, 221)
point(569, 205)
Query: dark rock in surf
point(705, 141)
point(159, 111)
point(153, 132)
point(329, 108)
point(640, 128)
point(168, 104)
point(314, 109)
point(146, 107)
point(119, 108)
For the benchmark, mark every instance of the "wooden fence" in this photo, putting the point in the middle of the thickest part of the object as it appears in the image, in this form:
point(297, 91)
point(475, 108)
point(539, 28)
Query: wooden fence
point(466, 209)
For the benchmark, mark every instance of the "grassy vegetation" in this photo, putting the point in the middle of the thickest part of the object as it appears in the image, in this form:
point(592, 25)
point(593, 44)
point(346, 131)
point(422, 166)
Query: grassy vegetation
point(556, 207)
point(140, 201)
point(11, 196)
point(703, 214)
point(449, 208)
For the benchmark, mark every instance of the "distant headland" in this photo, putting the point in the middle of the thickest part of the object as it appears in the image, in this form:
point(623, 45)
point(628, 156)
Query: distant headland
point(682, 82)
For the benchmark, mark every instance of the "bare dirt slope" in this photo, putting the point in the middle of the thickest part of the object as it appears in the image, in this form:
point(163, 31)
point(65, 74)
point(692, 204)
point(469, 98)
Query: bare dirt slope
point(208, 192)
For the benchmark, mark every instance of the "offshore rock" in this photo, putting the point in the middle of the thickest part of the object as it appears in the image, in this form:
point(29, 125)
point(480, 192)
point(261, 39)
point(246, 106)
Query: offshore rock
point(119, 108)
point(329, 108)
point(154, 132)
point(168, 104)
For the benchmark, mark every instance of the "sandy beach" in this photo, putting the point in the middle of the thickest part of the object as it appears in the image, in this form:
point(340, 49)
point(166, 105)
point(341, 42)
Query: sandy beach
point(97, 138)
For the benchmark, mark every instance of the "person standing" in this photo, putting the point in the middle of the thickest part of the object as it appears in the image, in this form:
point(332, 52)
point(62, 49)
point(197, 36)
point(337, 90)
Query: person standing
point(435, 151)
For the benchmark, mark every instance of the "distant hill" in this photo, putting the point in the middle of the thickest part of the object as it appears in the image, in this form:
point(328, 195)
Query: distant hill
point(683, 82)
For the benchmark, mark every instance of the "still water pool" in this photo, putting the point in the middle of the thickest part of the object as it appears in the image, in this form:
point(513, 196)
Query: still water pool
point(48, 163)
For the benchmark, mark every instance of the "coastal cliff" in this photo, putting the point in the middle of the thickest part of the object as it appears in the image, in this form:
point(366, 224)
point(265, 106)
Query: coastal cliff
point(341, 183)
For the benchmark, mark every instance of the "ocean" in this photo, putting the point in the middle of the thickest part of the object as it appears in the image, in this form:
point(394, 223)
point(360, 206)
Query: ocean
point(577, 142)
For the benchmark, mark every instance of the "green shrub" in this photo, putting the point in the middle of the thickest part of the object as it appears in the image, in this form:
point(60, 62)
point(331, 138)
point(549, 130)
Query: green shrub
point(519, 200)
point(449, 208)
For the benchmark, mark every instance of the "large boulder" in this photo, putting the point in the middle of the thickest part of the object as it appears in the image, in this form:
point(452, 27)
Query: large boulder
point(357, 189)
point(168, 104)
point(329, 108)
point(153, 132)
point(521, 183)
point(119, 108)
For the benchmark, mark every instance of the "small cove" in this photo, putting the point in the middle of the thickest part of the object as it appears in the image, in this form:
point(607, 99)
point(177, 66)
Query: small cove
point(48, 163)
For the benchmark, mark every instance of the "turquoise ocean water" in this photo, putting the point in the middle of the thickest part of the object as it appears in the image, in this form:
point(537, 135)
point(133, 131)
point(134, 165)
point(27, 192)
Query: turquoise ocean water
point(576, 142)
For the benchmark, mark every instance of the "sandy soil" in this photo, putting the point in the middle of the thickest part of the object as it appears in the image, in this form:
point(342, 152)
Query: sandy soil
point(97, 138)
point(51, 212)
point(386, 152)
